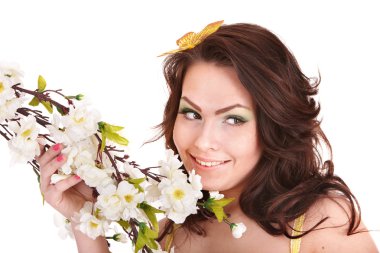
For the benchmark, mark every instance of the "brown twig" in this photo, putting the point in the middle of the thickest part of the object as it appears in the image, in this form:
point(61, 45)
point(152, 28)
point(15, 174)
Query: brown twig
point(39, 118)
point(111, 159)
point(42, 97)
point(4, 135)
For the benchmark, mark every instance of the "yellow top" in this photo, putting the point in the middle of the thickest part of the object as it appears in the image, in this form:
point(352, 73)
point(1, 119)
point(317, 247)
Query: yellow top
point(295, 244)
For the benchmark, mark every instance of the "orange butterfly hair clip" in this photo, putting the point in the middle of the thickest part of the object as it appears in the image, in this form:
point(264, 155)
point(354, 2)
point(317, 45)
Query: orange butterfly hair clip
point(192, 39)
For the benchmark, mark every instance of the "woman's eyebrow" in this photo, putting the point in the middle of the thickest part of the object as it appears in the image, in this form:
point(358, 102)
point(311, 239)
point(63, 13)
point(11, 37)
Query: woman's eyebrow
point(229, 108)
point(220, 111)
point(196, 107)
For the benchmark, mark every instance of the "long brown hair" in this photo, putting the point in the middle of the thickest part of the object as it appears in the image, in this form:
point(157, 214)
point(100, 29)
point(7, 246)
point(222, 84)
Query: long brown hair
point(290, 175)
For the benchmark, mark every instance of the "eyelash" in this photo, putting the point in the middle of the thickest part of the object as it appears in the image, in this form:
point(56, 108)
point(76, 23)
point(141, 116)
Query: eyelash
point(238, 120)
point(186, 111)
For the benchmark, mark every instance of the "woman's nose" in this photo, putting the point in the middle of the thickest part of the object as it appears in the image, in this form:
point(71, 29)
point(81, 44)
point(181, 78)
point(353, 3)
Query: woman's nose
point(207, 137)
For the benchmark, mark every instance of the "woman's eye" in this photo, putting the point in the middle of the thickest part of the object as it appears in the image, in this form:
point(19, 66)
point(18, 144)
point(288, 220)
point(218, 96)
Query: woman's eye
point(190, 114)
point(235, 120)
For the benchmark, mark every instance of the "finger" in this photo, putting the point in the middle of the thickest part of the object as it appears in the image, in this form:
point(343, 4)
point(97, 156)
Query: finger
point(86, 191)
point(50, 154)
point(42, 151)
point(49, 169)
point(67, 183)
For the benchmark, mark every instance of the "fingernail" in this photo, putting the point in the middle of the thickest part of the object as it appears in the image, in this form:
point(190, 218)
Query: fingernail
point(56, 147)
point(59, 158)
point(77, 177)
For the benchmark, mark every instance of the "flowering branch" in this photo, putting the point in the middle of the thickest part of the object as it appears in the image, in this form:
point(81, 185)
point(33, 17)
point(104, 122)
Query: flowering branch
point(127, 196)
point(43, 96)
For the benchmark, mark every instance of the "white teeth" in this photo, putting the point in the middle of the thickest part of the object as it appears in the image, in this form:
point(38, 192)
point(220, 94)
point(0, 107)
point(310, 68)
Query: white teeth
point(208, 164)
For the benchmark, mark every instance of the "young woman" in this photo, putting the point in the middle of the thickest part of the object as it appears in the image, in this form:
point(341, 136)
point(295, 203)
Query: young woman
point(242, 114)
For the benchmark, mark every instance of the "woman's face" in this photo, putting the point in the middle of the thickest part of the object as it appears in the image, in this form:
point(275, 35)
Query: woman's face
point(215, 131)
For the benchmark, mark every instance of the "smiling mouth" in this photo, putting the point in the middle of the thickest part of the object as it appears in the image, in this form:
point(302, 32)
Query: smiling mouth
point(208, 163)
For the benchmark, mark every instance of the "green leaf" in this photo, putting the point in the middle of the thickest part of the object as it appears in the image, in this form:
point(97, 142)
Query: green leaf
point(112, 128)
point(124, 224)
point(216, 206)
point(150, 212)
point(48, 106)
point(109, 132)
point(59, 109)
point(140, 242)
point(101, 125)
point(151, 234)
point(151, 243)
point(219, 213)
point(41, 83)
point(136, 183)
point(136, 180)
point(117, 138)
point(146, 236)
point(103, 141)
point(138, 187)
point(224, 201)
point(34, 102)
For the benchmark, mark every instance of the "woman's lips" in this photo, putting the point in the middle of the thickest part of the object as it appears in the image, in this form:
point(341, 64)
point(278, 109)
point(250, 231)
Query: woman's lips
point(207, 164)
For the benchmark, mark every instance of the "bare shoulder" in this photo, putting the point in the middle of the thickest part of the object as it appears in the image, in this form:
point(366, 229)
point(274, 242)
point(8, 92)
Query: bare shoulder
point(331, 235)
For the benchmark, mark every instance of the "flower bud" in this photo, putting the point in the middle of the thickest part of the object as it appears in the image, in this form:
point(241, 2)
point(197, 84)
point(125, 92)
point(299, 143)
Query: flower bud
point(120, 238)
point(238, 229)
point(79, 97)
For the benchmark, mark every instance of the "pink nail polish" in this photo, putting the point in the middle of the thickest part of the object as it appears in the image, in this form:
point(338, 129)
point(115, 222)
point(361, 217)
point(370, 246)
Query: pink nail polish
point(56, 147)
point(59, 158)
point(77, 177)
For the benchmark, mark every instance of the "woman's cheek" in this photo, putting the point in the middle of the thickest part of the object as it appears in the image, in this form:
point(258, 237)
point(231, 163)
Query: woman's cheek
point(180, 134)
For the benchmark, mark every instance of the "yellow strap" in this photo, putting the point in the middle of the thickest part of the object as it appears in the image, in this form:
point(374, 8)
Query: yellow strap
point(170, 237)
point(295, 244)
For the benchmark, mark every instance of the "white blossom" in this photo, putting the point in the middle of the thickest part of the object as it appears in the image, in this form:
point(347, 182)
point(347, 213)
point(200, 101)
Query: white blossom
point(178, 199)
point(24, 146)
point(6, 91)
point(104, 183)
point(170, 167)
point(132, 171)
point(216, 195)
point(195, 181)
point(77, 154)
point(119, 235)
point(79, 124)
point(110, 203)
point(238, 229)
point(9, 108)
point(57, 132)
point(9, 103)
point(159, 250)
point(92, 226)
point(55, 178)
point(92, 175)
point(131, 197)
point(152, 193)
point(64, 226)
point(89, 224)
point(12, 71)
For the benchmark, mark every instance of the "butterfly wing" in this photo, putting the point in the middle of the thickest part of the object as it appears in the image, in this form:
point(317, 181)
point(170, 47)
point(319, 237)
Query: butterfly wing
point(191, 39)
point(187, 40)
point(209, 29)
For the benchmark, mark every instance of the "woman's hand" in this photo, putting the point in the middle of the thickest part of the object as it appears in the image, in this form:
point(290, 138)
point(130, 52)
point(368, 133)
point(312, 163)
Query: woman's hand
point(66, 196)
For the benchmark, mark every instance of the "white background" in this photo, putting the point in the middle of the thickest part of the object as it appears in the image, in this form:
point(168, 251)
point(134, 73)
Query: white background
point(107, 50)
